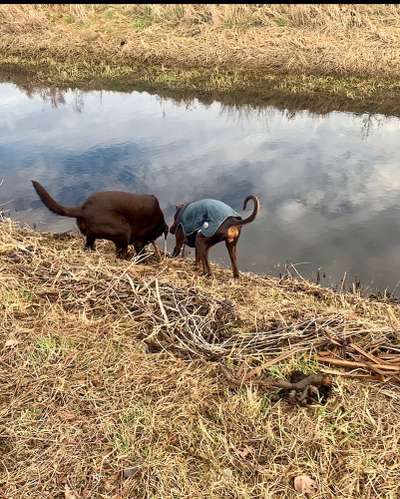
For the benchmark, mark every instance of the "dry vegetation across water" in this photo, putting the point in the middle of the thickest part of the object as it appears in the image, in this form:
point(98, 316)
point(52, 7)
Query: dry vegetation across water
point(348, 52)
point(143, 379)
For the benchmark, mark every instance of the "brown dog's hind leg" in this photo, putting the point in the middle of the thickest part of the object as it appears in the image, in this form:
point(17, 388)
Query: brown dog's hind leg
point(122, 252)
point(139, 247)
point(231, 247)
point(121, 245)
point(90, 240)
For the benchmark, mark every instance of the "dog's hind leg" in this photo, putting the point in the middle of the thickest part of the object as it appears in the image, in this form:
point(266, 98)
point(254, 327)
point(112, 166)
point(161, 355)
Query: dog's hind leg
point(206, 263)
point(139, 247)
point(231, 247)
point(90, 240)
point(202, 251)
point(121, 245)
point(197, 259)
point(121, 251)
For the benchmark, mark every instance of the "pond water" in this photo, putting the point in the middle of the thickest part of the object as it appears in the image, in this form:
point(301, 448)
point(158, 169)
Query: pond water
point(329, 184)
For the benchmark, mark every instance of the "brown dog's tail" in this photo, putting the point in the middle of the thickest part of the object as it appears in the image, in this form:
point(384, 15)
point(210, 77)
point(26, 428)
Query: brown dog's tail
point(255, 210)
point(52, 204)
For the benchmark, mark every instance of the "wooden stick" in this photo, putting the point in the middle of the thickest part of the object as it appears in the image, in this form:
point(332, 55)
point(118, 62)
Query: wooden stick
point(367, 377)
point(164, 314)
point(313, 379)
point(364, 353)
point(298, 273)
point(390, 360)
point(348, 363)
point(282, 356)
point(342, 283)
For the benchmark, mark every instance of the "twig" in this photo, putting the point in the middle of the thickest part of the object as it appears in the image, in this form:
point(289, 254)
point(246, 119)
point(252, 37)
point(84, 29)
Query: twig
point(366, 377)
point(349, 363)
point(298, 273)
point(343, 281)
point(166, 320)
point(313, 379)
point(365, 354)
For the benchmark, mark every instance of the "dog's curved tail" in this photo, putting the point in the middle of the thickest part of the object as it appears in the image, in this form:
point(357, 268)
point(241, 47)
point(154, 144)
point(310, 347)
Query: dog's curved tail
point(52, 204)
point(251, 217)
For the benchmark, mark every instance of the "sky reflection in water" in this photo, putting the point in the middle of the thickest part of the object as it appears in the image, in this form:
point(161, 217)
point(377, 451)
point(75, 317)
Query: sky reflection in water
point(329, 185)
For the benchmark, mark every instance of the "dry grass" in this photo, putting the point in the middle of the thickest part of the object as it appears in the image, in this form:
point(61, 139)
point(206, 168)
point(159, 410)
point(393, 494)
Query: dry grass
point(85, 392)
point(315, 39)
point(330, 57)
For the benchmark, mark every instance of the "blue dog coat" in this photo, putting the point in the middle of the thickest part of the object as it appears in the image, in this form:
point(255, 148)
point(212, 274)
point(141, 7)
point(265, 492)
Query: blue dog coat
point(205, 216)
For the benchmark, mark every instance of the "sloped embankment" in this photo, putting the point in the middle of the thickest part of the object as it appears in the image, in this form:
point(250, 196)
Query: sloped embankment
point(108, 365)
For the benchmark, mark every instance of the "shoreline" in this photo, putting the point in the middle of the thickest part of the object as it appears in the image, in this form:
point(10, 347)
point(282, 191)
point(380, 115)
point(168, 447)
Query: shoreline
point(320, 95)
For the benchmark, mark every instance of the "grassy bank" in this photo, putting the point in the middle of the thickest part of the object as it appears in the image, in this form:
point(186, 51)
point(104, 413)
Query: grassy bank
point(348, 52)
point(109, 365)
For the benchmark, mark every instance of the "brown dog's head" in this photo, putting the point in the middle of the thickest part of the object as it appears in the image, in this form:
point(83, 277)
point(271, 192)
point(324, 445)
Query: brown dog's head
point(174, 226)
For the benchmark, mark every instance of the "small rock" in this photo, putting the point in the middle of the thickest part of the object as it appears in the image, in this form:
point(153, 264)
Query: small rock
point(68, 494)
point(227, 473)
point(304, 484)
point(129, 472)
point(11, 342)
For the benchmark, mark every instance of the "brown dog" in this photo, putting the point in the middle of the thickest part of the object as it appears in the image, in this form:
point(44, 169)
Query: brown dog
point(204, 223)
point(121, 217)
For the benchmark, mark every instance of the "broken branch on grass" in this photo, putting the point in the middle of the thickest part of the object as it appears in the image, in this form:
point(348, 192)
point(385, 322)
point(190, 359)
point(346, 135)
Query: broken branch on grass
point(350, 363)
point(313, 379)
point(304, 391)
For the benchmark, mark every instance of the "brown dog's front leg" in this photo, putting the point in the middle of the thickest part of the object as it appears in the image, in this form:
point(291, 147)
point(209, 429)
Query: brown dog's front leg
point(90, 240)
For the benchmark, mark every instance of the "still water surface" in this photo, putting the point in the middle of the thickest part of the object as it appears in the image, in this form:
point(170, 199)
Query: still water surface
point(329, 185)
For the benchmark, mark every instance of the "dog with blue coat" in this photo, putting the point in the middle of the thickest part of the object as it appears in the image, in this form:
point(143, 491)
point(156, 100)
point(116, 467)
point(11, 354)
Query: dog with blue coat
point(202, 224)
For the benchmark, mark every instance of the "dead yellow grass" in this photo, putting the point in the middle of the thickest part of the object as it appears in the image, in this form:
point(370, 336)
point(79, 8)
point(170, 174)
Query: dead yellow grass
point(342, 40)
point(91, 383)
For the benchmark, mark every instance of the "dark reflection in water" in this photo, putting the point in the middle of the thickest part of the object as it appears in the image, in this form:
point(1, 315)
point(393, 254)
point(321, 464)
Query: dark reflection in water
point(329, 184)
